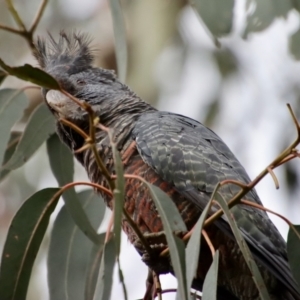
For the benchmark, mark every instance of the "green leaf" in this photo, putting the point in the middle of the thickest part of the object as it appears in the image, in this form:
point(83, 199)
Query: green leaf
point(262, 13)
point(34, 75)
point(93, 268)
point(10, 149)
point(61, 160)
point(216, 14)
point(22, 243)
point(294, 44)
point(12, 105)
point(193, 246)
point(69, 250)
point(62, 165)
point(172, 222)
point(293, 251)
point(39, 127)
point(120, 38)
point(119, 195)
point(211, 280)
point(244, 249)
point(104, 282)
point(3, 75)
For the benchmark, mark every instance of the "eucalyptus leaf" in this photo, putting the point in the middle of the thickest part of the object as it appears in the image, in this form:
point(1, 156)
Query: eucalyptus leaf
point(32, 74)
point(12, 105)
point(211, 280)
point(262, 13)
point(120, 38)
point(62, 166)
point(216, 14)
point(39, 127)
point(104, 282)
point(293, 251)
point(193, 247)
point(69, 250)
point(3, 75)
point(23, 241)
point(93, 268)
point(172, 222)
point(10, 149)
point(260, 284)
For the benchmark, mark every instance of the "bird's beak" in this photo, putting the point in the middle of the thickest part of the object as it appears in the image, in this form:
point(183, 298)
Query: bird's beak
point(57, 101)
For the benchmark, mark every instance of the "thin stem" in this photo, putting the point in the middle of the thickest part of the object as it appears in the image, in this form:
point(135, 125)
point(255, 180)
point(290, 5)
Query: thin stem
point(15, 15)
point(256, 205)
point(209, 243)
point(38, 16)
point(273, 177)
point(74, 127)
point(157, 285)
point(11, 30)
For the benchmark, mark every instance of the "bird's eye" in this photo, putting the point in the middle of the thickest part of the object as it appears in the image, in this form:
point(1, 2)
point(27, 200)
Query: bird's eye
point(81, 82)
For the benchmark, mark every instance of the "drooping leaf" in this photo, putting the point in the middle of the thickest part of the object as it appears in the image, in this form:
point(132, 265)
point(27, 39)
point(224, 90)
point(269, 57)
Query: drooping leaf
point(62, 165)
point(211, 280)
point(3, 75)
point(262, 13)
point(119, 195)
point(39, 127)
point(69, 250)
point(10, 149)
point(172, 222)
point(22, 243)
point(12, 105)
point(104, 282)
point(294, 44)
point(120, 38)
point(34, 75)
point(93, 268)
point(216, 14)
point(193, 247)
point(293, 251)
point(244, 249)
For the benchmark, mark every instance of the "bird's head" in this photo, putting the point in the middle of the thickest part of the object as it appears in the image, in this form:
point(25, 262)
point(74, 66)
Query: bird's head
point(69, 60)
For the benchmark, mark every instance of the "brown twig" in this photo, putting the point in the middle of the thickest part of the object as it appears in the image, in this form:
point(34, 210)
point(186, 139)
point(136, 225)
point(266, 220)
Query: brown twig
point(22, 31)
point(38, 16)
point(273, 177)
point(256, 205)
point(157, 285)
point(289, 150)
point(209, 243)
point(85, 106)
point(74, 127)
point(15, 15)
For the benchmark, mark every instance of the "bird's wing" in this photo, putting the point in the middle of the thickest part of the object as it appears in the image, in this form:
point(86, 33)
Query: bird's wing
point(194, 159)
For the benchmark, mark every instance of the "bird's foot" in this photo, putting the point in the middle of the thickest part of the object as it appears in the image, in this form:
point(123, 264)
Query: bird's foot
point(157, 242)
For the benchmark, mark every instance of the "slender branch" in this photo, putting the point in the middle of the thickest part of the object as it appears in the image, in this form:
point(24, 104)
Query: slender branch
point(15, 15)
point(85, 106)
point(157, 285)
point(256, 205)
point(38, 16)
point(74, 127)
point(209, 243)
point(288, 151)
point(12, 30)
point(273, 177)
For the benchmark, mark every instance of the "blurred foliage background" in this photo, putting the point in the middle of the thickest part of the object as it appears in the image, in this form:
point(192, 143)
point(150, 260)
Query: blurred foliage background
point(237, 84)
